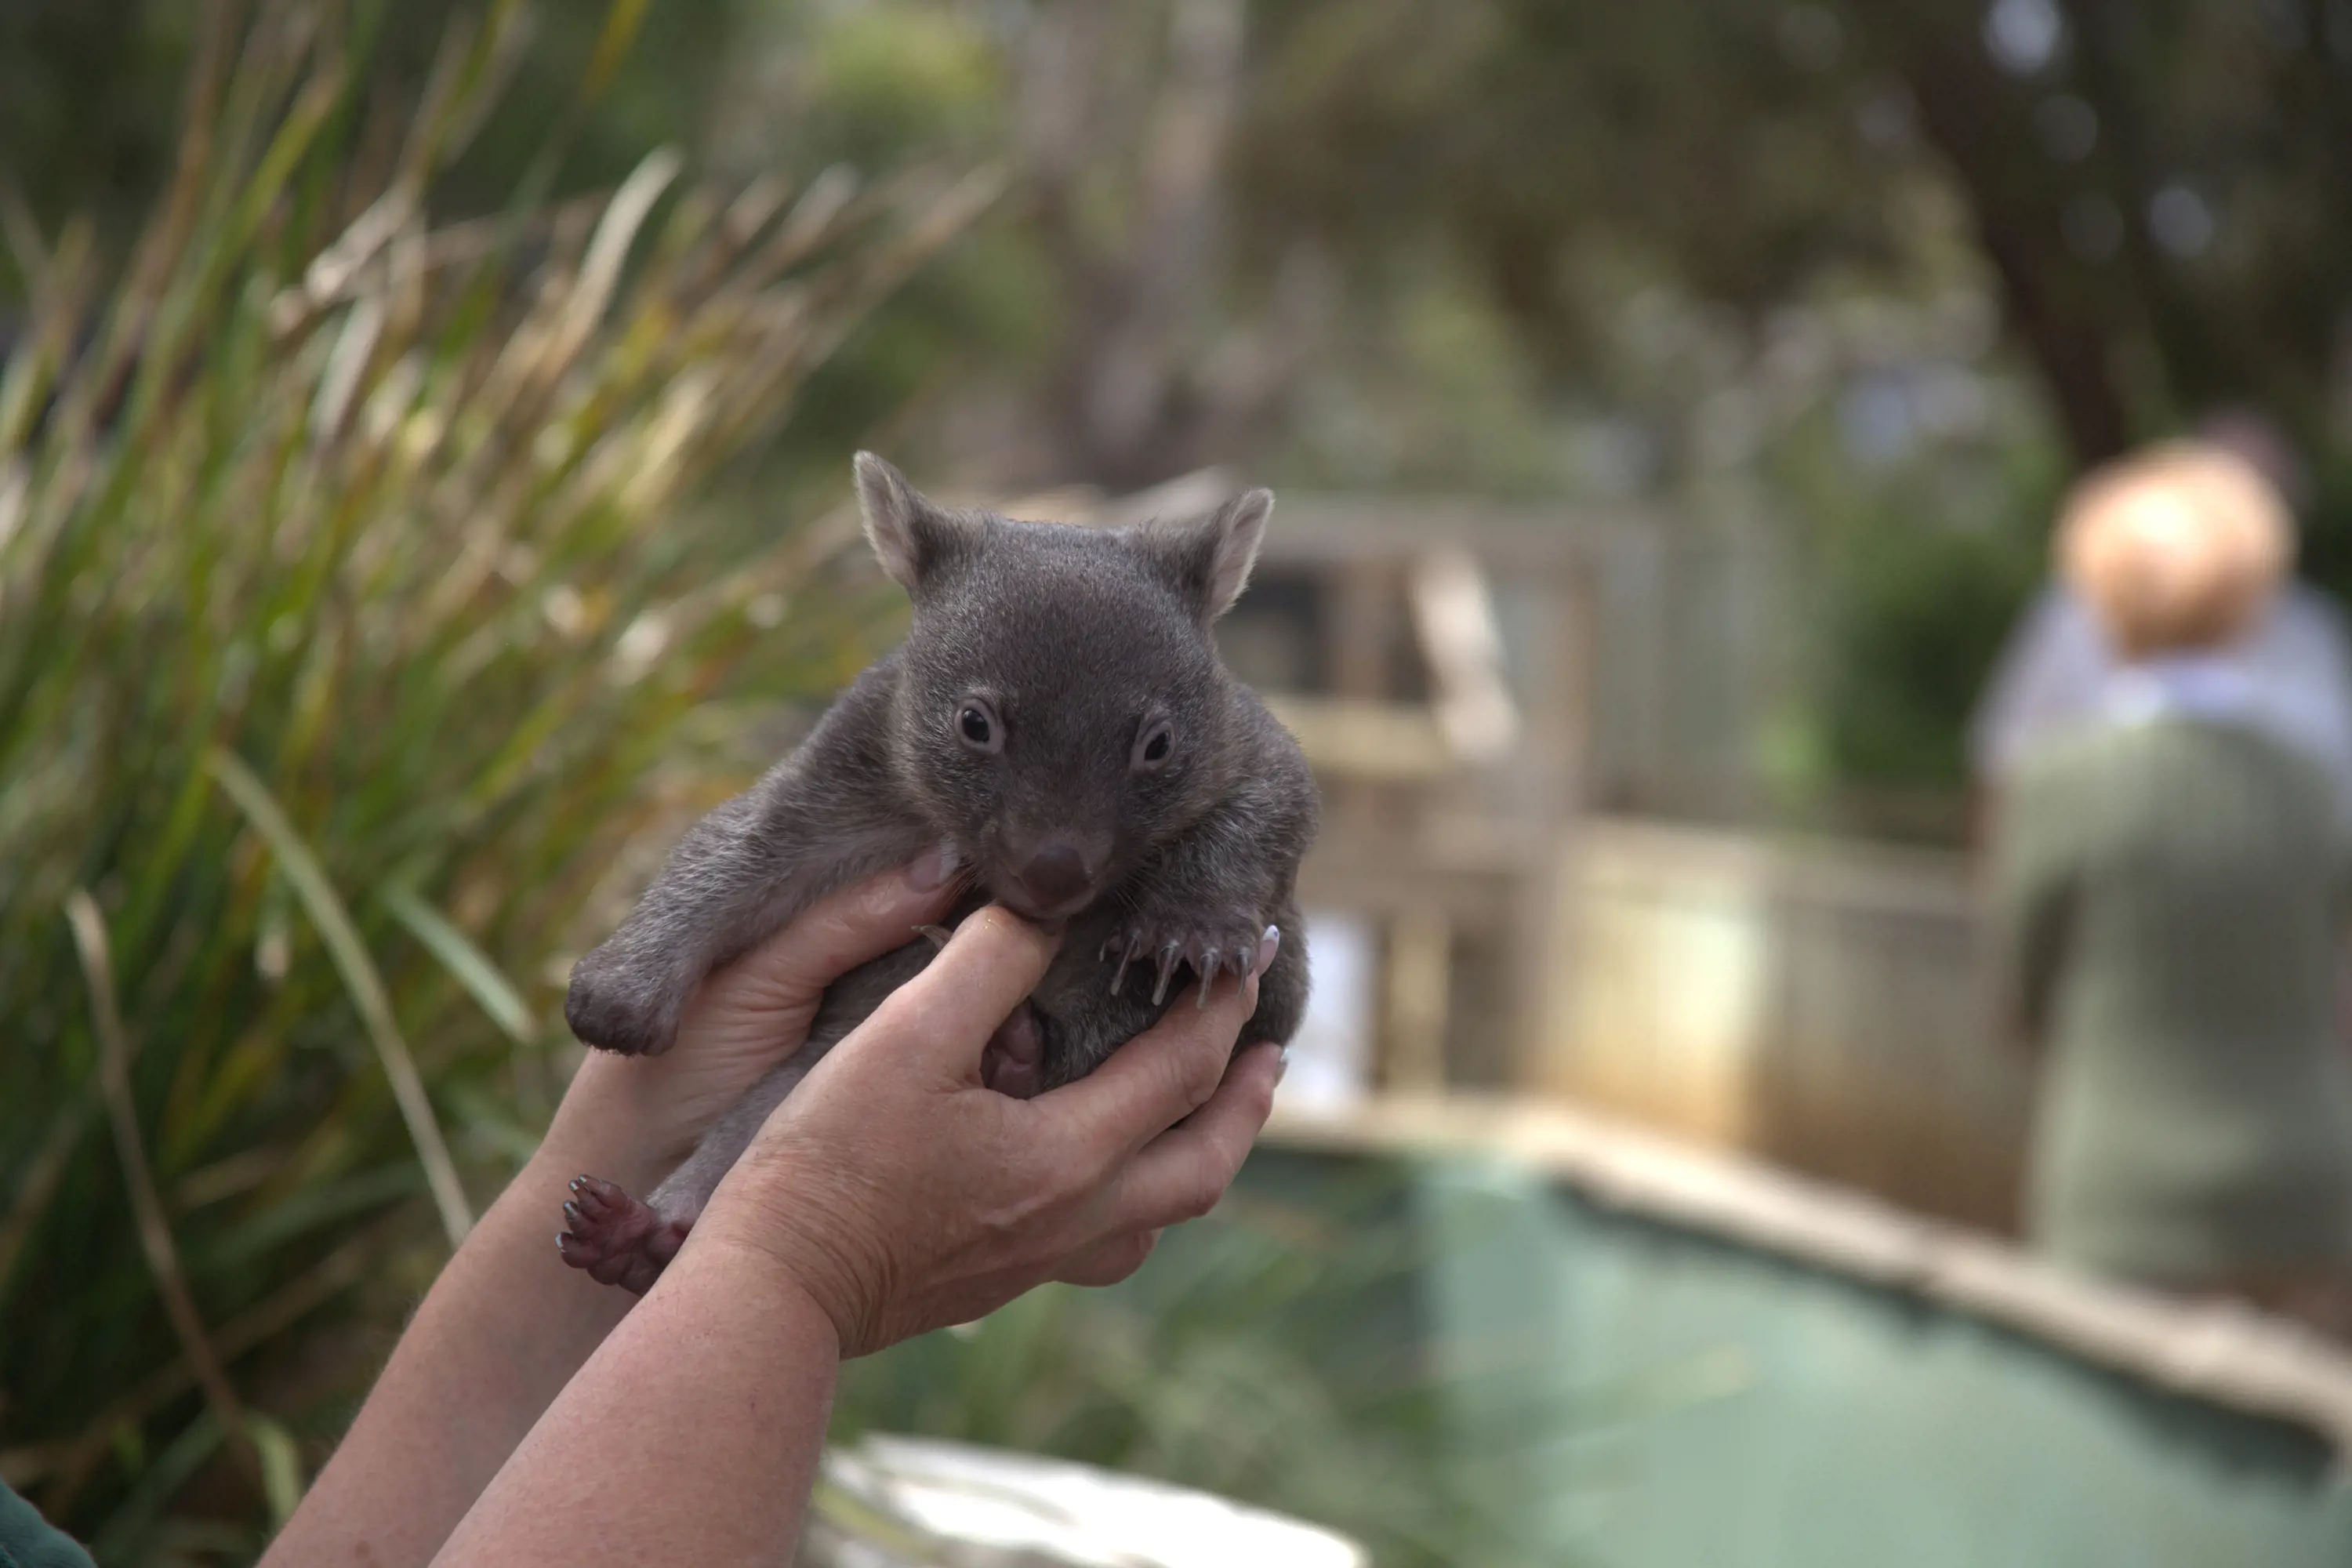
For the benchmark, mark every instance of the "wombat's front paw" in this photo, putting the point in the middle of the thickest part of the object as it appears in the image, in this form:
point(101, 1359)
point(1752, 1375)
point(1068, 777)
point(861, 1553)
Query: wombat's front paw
point(614, 1010)
point(1206, 944)
point(615, 1238)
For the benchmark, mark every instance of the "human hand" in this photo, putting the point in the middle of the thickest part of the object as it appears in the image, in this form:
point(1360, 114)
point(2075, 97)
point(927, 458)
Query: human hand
point(635, 1118)
point(900, 1194)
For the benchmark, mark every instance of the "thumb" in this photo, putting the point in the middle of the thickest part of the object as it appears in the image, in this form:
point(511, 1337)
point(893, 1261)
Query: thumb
point(840, 932)
point(761, 1004)
point(942, 1018)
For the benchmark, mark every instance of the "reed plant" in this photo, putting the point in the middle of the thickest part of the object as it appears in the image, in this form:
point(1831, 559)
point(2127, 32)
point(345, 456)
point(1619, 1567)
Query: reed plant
point(365, 621)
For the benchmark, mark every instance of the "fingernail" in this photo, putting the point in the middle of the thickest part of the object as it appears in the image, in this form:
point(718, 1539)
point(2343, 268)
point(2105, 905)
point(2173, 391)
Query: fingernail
point(1267, 947)
point(1281, 1065)
point(931, 868)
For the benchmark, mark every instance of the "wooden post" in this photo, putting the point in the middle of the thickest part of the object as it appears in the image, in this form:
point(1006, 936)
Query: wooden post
point(1420, 998)
point(1546, 803)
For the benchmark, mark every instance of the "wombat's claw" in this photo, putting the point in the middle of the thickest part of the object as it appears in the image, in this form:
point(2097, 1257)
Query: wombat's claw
point(616, 1240)
point(1208, 977)
point(936, 935)
point(1129, 951)
point(1169, 956)
point(1185, 946)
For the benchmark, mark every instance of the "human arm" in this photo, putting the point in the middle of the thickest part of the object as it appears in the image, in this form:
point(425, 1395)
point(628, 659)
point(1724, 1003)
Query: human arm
point(891, 1195)
point(2043, 678)
point(507, 1323)
point(2033, 897)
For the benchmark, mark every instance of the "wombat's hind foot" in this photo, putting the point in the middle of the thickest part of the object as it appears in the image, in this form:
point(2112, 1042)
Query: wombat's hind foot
point(615, 1238)
point(1015, 1062)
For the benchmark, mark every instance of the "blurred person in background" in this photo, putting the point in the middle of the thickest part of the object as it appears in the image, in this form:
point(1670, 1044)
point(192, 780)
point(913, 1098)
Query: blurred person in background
point(2170, 884)
point(2057, 662)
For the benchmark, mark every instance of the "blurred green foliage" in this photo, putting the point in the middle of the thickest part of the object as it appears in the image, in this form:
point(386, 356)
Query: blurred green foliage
point(90, 96)
point(1500, 246)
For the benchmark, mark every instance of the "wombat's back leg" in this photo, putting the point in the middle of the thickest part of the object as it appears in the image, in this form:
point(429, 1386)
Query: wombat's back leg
point(848, 1001)
point(619, 1240)
point(615, 1239)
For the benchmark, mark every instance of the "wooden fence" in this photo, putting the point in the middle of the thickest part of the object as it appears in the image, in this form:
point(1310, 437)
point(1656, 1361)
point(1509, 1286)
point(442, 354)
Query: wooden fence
point(1471, 682)
point(1820, 1005)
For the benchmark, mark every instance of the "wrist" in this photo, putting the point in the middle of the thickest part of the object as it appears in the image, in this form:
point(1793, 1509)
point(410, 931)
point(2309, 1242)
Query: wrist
point(608, 1125)
point(771, 1231)
point(750, 1268)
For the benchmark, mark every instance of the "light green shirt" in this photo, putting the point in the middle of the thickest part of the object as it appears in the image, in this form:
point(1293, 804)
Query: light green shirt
point(2173, 896)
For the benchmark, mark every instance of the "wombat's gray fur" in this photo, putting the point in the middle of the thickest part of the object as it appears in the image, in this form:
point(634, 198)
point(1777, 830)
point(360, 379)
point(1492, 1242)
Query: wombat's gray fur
point(1058, 720)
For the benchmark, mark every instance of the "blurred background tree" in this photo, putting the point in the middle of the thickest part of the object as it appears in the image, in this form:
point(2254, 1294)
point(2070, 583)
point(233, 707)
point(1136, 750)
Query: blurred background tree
point(2151, 197)
point(1886, 272)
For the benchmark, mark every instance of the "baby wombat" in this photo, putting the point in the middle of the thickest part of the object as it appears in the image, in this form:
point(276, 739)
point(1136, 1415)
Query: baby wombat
point(1058, 722)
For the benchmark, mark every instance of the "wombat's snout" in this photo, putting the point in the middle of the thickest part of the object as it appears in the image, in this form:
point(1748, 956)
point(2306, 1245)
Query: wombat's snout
point(1057, 877)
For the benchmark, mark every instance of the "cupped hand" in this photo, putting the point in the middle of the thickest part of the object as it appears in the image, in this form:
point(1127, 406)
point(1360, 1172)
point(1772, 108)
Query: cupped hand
point(900, 1194)
point(635, 1118)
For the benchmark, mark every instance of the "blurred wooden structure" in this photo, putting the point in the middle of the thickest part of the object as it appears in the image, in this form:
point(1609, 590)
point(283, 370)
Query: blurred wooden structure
point(1425, 655)
point(1817, 1003)
point(1429, 656)
point(1446, 721)
point(1506, 705)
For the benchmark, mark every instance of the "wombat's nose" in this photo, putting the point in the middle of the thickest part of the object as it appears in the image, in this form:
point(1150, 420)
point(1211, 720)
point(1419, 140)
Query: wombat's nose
point(1055, 875)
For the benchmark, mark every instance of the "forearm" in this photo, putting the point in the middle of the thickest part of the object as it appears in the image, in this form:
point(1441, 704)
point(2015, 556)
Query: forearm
point(502, 1330)
point(691, 1435)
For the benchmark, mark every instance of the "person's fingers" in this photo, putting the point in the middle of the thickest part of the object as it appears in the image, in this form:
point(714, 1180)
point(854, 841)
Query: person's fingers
point(1108, 1261)
point(1156, 1079)
point(840, 932)
point(944, 1016)
point(1185, 1171)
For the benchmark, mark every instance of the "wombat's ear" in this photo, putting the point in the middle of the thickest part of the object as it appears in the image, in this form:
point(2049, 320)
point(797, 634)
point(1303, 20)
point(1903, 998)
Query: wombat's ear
point(1208, 560)
point(912, 536)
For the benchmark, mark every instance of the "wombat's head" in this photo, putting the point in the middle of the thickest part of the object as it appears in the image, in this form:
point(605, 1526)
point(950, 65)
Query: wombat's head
point(1061, 709)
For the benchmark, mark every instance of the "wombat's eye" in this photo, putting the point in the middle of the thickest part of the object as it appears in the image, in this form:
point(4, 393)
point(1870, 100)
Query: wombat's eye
point(976, 725)
point(1153, 747)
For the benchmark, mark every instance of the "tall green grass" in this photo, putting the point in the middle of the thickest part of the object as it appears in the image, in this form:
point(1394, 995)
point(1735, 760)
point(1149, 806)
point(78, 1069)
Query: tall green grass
point(360, 632)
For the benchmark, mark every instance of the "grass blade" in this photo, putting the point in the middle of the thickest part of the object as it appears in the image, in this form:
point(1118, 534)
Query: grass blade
point(350, 956)
point(37, 1186)
point(467, 964)
point(281, 1466)
point(146, 1203)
